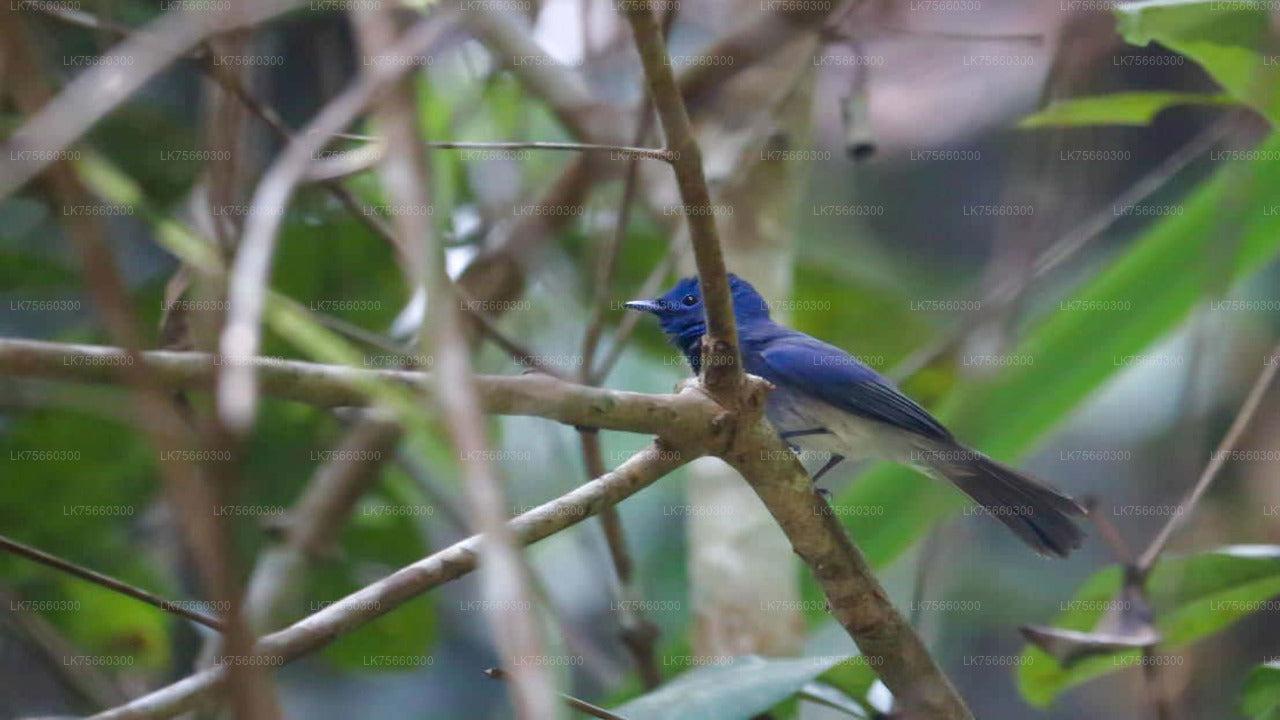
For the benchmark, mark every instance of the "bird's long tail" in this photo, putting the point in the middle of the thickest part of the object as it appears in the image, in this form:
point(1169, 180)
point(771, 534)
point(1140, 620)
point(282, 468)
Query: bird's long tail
point(1038, 513)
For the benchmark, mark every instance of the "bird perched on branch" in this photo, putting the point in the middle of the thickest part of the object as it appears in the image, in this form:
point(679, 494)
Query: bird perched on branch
point(826, 400)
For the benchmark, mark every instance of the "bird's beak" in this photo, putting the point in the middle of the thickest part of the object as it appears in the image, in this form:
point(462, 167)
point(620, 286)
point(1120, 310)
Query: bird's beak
point(648, 306)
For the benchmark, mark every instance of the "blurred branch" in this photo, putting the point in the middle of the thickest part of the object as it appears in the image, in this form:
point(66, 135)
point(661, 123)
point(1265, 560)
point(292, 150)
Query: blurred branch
point(192, 490)
point(1216, 461)
point(639, 634)
point(22, 550)
point(126, 68)
point(404, 176)
point(242, 335)
point(90, 682)
point(688, 414)
point(630, 321)
point(509, 36)
point(367, 604)
point(317, 518)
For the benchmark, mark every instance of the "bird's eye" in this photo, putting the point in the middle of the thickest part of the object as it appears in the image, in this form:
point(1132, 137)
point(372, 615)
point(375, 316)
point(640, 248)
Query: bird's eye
point(690, 300)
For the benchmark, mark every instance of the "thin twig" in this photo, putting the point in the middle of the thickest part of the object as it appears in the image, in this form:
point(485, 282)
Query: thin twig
point(1119, 548)
point(608, 262)
point(1067, 246)
point(1216, 461)
point(359, 160)
point(576, 703)
point(106, 581)
point(522, 355)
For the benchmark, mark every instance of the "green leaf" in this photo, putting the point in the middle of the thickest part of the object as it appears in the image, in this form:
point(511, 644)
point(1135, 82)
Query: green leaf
point(1192, 597)
point(1225, 38)
point(741, 689)
point(1261, 699)
point(1152, 287)
point(1127, 108)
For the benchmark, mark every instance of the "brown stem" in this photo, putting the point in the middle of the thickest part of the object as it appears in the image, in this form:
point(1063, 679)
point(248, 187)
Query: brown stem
point(106, 581)
point(639, 634)
point(855, 597)
point(379, 598)
point(722, 367)
point(681, 416)
point(1216, 462)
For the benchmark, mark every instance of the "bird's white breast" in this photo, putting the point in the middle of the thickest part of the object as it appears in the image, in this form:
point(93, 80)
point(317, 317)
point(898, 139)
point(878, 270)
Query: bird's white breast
point(854, 437)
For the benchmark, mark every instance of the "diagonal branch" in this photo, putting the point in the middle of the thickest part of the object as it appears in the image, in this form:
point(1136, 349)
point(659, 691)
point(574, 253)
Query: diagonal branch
point(1216, 462)
point(106, 581)
point(373, 601)
point(126, 68)
point(854, 596)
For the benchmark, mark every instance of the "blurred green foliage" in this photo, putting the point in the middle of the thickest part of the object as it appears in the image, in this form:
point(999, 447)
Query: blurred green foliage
point(1192, 597)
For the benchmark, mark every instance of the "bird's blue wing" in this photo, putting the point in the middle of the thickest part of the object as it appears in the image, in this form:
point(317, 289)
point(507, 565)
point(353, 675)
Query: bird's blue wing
point(835, 377)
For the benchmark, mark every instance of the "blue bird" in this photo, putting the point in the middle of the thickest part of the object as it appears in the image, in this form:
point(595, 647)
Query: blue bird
point(826, 400)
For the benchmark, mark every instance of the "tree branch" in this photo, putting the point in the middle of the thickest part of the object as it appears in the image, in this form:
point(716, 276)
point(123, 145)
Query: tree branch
point(362, 159)
point(369, 603)
point(106, 581)
point(855, 597)
point(128, 66)
point(1216, 462)
point(722, 366)
point(685, 415)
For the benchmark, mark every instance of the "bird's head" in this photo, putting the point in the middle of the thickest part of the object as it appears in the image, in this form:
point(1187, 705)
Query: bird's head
point(683, 319)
